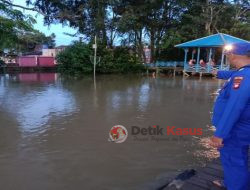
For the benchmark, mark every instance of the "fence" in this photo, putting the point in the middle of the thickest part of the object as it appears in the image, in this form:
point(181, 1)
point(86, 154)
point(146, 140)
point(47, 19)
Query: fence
point(167, 64)
point(34, 61)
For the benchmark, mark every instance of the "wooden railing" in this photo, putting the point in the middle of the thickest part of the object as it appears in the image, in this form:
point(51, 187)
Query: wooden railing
point(205, 69)
point(189, 68)
point(166, 64)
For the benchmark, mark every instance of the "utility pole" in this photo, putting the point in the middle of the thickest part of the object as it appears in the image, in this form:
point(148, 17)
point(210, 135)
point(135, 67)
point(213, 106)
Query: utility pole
point(95, 48)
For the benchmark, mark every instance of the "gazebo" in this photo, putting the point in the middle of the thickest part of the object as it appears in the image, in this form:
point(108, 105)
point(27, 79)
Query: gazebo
point(210, 43)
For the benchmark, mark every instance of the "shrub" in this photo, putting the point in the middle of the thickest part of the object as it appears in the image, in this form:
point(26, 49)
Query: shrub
point(76, 60)
point(118, 60)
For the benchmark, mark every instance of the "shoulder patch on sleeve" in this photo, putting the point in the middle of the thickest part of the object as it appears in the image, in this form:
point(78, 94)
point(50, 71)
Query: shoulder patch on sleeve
point(237, 81)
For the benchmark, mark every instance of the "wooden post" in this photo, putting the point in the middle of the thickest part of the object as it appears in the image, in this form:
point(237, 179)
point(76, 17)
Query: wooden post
point(198, 59)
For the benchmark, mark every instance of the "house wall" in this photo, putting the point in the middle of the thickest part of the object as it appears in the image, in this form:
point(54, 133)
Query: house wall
point(49, 52)
point(27, 61)
point(34, 61)
point(46, 61)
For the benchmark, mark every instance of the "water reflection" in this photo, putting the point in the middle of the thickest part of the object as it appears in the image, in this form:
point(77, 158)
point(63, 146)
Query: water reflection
point(34, 106)
point(143, 99)
point(37, 77)
point(80, 156)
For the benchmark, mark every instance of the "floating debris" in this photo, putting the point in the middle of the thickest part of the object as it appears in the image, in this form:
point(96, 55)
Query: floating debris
point(215, 93)
point(210, 153)
point(211, 128)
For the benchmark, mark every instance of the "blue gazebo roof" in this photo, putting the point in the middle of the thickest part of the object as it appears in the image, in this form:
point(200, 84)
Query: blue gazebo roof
point(216, 40)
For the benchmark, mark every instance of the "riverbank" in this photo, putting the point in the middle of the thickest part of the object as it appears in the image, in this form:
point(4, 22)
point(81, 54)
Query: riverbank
point(17, 69)
point(153, 71)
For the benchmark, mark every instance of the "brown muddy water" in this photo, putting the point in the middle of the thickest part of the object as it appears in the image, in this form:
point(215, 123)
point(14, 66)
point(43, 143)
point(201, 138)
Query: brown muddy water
point(54, 130)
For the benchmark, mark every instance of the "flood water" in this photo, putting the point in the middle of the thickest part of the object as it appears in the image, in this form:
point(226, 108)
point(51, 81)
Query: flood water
point(54, 130)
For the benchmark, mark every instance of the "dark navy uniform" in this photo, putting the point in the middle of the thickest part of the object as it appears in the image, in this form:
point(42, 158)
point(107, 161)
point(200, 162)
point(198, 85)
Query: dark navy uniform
point(231, 117)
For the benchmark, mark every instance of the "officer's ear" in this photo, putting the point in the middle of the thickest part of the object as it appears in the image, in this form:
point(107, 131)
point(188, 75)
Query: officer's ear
point(233, 60)
point(248, 54)
point(230, 57)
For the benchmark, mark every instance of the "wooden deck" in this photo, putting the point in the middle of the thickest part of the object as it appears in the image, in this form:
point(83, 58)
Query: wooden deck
point(200, 181)
point(191, 179)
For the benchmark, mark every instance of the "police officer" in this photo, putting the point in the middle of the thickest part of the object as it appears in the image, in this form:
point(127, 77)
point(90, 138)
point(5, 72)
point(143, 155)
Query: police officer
point(231, 118)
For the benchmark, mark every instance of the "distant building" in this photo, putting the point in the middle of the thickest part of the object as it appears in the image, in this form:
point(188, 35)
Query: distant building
point(147, 52)
point(37, 50)
point(8, 57)
point(53, 52)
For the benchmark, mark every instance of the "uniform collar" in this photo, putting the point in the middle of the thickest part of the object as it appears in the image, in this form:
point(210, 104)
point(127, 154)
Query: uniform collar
point(246, 66)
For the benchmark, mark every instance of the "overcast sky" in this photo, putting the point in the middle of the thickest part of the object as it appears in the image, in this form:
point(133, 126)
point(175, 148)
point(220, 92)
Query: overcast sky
point(58, 29)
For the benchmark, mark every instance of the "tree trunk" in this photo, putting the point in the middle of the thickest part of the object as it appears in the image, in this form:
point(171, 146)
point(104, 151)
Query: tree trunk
point(152, 45)
point(139, 45)
point(209, 15)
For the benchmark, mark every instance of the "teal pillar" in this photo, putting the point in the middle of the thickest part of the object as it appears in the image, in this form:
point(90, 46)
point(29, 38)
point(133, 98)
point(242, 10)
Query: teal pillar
point(185, 59)
point(192, 54)
point(198, 59)
point(209, 61)
point(222, 59)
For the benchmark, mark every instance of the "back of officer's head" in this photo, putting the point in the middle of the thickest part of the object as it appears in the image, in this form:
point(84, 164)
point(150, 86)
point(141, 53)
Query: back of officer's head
point(239, 54)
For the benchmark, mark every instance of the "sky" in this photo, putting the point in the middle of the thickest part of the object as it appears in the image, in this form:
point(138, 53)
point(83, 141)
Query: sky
point(58, 29)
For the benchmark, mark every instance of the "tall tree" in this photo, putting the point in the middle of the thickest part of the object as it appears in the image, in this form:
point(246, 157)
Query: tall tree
point(12, 24)
point(16, 29)
point(162, 15)
point(131, 23)
point(159, 23)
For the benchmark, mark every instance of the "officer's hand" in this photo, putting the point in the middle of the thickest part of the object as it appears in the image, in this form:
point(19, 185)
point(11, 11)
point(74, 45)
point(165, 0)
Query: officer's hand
point(216, 142)
point(214, 72)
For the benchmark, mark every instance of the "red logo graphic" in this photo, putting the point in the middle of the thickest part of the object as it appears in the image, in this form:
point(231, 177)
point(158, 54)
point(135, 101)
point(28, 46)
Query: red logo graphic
point(118, 134)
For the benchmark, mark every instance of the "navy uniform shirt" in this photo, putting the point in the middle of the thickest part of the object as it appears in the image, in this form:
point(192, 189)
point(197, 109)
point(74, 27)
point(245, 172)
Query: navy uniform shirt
point(231, 115)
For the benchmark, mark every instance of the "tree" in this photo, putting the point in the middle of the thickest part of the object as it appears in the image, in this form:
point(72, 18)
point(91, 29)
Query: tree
point(131, 24)
point(89, 17)
point(159, 23)
point(28, 40)
point(17, 32)
point(12, 23)
point(162, 16)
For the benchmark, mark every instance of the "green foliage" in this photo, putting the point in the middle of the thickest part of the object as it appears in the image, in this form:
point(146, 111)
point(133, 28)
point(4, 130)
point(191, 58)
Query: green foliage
point(202, 18)
point(161, 24)
point(17, 32)
point(29, 40)
point(12, 23)
point(76, 59)
point(118, 60)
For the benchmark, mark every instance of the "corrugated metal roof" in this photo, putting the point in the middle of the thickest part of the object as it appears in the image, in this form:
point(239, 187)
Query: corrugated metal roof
point(215, 40)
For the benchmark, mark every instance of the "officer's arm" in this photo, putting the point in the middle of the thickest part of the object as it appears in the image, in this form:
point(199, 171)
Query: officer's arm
point(224, 74)
point(234, 107)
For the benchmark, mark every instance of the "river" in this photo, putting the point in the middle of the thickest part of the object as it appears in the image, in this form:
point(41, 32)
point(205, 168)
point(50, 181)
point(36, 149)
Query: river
point(54, 130)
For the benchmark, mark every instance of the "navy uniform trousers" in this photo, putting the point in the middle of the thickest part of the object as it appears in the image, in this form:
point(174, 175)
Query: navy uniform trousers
point(231, 117)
